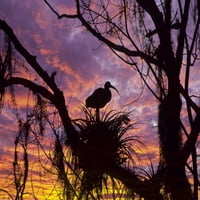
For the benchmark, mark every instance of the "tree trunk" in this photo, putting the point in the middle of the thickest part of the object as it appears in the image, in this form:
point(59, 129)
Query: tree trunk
point(175, 179)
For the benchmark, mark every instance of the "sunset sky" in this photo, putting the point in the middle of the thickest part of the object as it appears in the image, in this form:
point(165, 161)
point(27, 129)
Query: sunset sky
point(82, 64)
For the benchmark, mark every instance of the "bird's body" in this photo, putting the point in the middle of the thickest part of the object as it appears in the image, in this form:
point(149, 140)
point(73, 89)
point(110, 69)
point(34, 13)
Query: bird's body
point(100, 97)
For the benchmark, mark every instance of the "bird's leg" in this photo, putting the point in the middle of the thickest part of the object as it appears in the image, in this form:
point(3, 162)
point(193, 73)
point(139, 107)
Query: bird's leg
point(97, 114)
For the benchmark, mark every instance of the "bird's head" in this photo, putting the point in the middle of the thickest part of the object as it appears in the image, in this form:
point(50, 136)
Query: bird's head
point(108, 85)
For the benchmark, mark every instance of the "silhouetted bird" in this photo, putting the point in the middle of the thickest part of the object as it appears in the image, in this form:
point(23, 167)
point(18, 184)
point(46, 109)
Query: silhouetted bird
point(100, 97)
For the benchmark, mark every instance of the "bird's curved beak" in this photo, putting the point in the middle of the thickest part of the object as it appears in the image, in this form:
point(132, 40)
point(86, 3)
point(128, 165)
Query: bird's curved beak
point(114, 89)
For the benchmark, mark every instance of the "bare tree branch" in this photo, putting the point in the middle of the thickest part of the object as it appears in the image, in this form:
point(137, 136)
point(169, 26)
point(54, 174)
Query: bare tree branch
point(108, 42)
point(29, 58)
point(30, 85)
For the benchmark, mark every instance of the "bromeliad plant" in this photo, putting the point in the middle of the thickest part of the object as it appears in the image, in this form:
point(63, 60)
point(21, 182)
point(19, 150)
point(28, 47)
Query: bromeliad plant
point(103, 144)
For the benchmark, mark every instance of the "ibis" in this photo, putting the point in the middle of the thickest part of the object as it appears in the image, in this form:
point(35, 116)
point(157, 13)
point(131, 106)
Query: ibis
point(100, 97)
